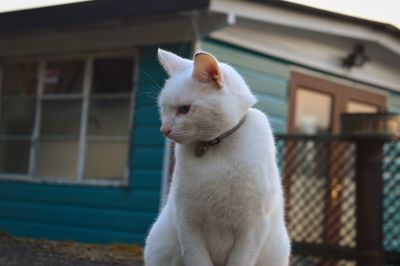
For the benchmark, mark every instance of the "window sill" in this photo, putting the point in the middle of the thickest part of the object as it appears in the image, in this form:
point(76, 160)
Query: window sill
point(60, 181)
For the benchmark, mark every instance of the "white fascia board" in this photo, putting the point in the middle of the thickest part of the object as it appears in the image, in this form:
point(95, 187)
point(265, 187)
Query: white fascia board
point(301, 52)
point(264, 13)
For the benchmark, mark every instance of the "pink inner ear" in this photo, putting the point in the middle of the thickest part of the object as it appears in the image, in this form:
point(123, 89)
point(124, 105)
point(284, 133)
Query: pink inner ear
point(214, 76)
point(212, 72)
point(206, 70)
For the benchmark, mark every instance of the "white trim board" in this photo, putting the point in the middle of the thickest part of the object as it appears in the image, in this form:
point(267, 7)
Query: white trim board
point(322, 54)
point(269, 14)
point(165, 172)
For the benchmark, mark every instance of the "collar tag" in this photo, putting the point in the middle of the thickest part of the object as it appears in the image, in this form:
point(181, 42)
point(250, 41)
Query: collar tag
point(202, 147)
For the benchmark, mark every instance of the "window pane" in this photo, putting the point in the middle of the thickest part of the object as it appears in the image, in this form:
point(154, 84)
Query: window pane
point(57, 159)
point(61, 117)
point(107, 160)
point(112, 75)
point(14, 156)
point(313, 112)
point(109, 117)
point(20, 79)
point(64, 77)
point(357, 107)
point(17, 116)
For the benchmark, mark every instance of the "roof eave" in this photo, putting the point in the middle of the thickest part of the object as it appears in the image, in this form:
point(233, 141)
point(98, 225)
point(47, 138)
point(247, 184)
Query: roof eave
point(81, 13)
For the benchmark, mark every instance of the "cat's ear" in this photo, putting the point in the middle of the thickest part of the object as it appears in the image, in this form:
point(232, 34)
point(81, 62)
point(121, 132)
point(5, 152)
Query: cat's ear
point(206, 69)
point(171, 62)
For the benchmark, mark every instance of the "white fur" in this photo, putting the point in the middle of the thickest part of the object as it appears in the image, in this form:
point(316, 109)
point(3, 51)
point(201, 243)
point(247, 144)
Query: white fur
point(226, 207)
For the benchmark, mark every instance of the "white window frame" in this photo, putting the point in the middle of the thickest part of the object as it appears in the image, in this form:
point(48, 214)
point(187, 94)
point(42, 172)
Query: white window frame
point(83, 138)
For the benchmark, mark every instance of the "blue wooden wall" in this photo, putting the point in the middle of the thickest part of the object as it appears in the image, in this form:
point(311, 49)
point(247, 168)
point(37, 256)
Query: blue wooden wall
point(267, 78)
point(100, 214)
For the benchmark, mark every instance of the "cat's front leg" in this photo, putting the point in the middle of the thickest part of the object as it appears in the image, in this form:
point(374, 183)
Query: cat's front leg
point(193, 246)
point(248, 245)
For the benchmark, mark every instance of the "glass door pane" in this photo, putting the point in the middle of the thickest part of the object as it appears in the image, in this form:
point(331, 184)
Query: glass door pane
point(19, 79)
point(59, 133)
point(313, 112)
point(107, 148)
point(58, 159)
point(112, 75)
point(106, 160)
point(64, 77)
point(14, 156)
point(17, 115)
point(358, 107)
point(60, 123)
point(109, 117)
point(61, 117)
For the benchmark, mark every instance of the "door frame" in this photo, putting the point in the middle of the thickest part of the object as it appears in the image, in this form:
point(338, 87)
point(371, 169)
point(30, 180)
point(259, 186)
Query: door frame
point(341, 94)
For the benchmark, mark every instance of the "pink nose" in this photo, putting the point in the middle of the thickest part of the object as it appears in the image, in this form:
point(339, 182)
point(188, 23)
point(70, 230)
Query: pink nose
point(165, 131)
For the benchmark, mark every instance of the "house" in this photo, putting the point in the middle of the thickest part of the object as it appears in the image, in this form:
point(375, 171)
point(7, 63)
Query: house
point(307, 67)
point(291, 55)
point(81, 156)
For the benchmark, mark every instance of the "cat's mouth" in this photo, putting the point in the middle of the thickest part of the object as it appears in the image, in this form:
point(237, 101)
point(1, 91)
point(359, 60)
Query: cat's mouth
point(182, 139)
point(176, 139)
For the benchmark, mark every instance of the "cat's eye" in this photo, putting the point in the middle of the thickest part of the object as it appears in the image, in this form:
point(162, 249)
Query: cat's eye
point(183, 109)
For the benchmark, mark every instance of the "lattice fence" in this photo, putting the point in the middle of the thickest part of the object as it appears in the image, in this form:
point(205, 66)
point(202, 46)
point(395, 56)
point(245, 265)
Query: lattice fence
point(391, 197)
point(319, 176)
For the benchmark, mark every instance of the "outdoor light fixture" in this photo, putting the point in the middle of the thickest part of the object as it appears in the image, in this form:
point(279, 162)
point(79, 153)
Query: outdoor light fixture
point(356, 58)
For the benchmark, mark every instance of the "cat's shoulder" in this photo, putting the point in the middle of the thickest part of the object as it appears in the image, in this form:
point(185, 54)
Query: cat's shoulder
point(259, 121)
point(258, 116)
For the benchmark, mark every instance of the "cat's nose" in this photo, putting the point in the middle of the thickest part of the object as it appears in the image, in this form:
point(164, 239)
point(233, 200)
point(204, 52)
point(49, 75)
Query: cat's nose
point(165, 131)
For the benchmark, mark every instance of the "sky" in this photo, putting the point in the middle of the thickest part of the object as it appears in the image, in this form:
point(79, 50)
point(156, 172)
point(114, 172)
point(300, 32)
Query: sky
point(12, 5)
point(386, 11)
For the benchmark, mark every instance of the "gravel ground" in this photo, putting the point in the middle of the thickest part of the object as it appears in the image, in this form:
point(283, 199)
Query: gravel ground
point(32, 252)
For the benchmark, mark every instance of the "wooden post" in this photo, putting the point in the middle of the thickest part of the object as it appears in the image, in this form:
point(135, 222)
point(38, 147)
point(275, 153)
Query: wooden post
point(369, 180)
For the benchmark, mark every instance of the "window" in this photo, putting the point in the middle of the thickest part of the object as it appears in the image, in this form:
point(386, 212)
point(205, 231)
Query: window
point(108, 130)
point(66, 119)
point(316, 117)
point(17, 116)
point(316, 104)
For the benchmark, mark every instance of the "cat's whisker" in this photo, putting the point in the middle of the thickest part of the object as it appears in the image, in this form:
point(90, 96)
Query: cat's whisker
point(153, 80)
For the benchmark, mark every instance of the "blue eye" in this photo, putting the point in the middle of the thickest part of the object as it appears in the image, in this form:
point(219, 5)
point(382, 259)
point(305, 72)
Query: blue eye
point(183, 109)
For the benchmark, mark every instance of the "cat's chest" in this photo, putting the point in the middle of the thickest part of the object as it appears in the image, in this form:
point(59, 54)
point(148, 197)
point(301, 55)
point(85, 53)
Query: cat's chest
point(218, 202)
point(219, 195)
point(221, 187)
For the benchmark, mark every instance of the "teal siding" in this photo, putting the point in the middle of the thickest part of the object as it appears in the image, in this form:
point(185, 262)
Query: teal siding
point(100, 214)
point(87, 214)
point(267, 78)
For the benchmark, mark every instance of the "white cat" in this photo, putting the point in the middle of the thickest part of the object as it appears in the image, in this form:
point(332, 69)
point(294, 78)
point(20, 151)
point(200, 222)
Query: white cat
point(225, 205)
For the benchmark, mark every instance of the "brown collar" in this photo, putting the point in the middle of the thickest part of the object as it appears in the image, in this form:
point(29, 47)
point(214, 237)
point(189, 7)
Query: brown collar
point(202, 147)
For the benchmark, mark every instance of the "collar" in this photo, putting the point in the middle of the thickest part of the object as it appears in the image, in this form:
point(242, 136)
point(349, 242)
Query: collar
point(202, 147)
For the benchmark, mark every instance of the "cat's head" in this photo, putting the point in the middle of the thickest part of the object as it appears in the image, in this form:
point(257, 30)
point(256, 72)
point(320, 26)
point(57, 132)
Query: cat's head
point(202, 98)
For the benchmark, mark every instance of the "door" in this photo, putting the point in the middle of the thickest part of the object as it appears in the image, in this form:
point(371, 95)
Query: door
point(316, 104)
point(315, 107)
